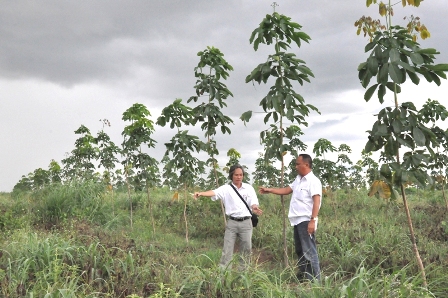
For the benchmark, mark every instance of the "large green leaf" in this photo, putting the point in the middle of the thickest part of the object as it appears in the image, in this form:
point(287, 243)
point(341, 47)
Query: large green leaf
point(305, 70)
point(397, 126)
point(381, 93)
point(419, 137)
point(421, 177)
point(414, 77)
point(394, 55)
point(369, 92)
point(435, 78)
point(406, 66)
point(416, 58)
point(438, 67)
point(381, 130)
point(245, 117)
point(393, 87)
point(372, 65)
point(383, 74)
point(395, 73)
point(385, 171)
point(416, 159)
point(369, 46)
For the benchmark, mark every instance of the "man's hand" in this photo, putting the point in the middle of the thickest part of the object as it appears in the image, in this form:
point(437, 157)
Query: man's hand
point(196, 195)
point(311, 226)
point(257, 210)
point(263, 190)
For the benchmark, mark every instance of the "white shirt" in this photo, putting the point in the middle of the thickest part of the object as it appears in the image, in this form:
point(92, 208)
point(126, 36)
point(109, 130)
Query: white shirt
point(232, 202)
point(303, 190)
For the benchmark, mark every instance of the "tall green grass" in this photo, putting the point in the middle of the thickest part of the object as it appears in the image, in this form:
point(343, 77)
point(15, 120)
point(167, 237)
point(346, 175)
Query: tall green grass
point(76, 241)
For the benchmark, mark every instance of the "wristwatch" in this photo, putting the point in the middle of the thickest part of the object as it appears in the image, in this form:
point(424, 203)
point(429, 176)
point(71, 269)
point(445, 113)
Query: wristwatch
point(314, 218)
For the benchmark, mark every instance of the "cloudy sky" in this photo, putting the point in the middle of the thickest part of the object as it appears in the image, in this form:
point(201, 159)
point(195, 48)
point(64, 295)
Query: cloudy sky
point(67, 63)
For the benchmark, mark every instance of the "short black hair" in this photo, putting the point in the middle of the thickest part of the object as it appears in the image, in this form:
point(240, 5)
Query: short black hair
point(306, 158)
point(233, 168)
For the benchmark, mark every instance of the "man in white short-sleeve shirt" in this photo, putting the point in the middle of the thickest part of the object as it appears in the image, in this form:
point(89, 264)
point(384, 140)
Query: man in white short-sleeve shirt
point(303, 211)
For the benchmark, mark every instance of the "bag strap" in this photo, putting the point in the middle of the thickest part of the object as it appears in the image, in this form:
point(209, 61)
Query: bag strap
point(250, 211)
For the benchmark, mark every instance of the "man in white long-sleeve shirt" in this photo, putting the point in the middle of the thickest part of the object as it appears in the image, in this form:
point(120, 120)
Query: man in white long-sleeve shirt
point(239, 223)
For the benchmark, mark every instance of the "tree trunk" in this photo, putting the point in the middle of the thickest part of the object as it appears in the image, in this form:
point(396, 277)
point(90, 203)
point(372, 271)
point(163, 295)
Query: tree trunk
point(129, 196)
point(414, 243)
point(185, 213)
point(444, 196)
point(222, 205)
point(150, 212)
point(285, 245)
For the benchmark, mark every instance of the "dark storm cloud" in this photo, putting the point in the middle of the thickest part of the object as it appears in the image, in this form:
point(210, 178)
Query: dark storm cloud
point(67, 63)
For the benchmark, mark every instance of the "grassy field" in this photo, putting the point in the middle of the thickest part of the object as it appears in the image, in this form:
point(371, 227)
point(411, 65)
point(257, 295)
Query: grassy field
point(77, 241)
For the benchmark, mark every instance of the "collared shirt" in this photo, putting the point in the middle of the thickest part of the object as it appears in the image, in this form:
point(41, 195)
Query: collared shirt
point(232, 202)
point(303, 190)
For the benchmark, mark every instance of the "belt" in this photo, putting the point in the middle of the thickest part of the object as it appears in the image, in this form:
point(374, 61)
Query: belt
point(239, 218)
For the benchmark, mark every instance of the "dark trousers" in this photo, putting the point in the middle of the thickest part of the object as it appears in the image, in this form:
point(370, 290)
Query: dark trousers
point(306, 250)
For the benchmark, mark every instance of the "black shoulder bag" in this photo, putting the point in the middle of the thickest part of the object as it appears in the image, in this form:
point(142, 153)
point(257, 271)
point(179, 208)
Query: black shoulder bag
point(254, 217)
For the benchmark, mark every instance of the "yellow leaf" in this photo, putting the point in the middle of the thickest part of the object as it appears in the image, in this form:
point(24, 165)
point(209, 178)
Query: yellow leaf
point(403, 2)
point(424, 34)
point(382, 9)
point(417, 3)
point(440, 179)
point(374, 188)
point(384, 190)
point(358, 31)
point(284, 153)
point(175, 196)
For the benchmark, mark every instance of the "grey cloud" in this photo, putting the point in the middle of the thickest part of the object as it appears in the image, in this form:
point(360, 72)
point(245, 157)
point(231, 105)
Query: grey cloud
point(107, 55)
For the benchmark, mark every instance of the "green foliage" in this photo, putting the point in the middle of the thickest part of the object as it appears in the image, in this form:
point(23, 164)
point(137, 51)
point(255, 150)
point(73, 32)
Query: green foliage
point(279, 30)
point(265, 172)
point(107, 153)
point(281, 101)
point(181, 147)
point(211, 68)
point(339, 174)
point(58, 202)
point(394, 56)
point(78, 165)
point(363, 252)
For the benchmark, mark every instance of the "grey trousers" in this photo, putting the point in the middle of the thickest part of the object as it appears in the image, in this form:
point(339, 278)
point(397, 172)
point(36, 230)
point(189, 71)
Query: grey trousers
point(243, 231)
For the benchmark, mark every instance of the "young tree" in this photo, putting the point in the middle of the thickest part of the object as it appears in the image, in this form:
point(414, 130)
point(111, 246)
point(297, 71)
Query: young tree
point(322, 167)
point(25, 184)
point(78, 165)
point(281, 103)
point(212, 67)
point(394, 56)
point(135, 135)
point(55, 171)
point(266, 173)
point(234, 158)
point(180, 164)
point(107, 152)
point(371, 166)
point(107, 155)
point(431, 112)
point(41, 178)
